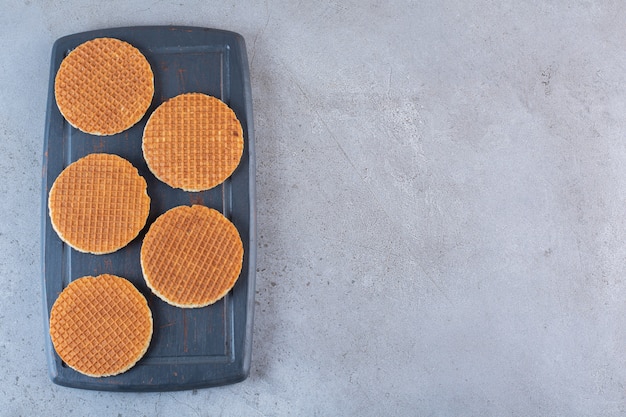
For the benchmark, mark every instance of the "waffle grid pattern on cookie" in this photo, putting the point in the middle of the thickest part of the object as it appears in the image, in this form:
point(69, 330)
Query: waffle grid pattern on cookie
point(100, 326)
point(191, 256)
point(104, 86)
point(99, 203)
point(193, 141)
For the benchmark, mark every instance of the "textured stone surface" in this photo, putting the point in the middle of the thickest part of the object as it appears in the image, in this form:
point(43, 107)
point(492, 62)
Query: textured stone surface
point(441, 207)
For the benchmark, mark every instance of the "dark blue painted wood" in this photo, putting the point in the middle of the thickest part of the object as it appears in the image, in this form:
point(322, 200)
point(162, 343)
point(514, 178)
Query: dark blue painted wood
point(190, 348)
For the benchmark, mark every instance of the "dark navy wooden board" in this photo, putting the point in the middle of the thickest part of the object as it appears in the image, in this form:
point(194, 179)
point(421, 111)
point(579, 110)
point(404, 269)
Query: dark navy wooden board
point(190, 348)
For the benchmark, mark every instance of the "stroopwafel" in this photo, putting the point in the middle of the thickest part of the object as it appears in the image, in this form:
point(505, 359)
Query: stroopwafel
point(101, 326)
point(191, 256)
point(99, 203)
point(193, 141)
point(104, 86)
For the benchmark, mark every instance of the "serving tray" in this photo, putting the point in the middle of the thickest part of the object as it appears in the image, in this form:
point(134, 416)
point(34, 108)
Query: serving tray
point(190, 348)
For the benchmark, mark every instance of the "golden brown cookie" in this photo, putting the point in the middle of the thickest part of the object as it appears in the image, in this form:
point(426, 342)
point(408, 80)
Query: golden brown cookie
point(99, 203)
point(193, 141)
point(100, 326)
point(191, 256)
point(104, 86)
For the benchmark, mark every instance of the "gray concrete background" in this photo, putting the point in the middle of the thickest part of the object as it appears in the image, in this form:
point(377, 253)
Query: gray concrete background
point(441, 207)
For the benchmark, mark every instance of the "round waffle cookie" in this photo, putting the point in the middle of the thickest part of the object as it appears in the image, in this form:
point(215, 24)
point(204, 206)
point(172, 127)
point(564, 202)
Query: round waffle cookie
point(193, 141)
point(104, 86)
point(100, 326)
point(99, 203)
point(191, 256)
